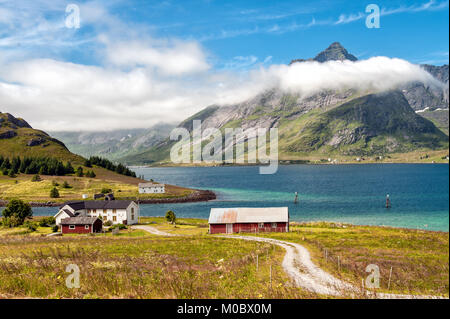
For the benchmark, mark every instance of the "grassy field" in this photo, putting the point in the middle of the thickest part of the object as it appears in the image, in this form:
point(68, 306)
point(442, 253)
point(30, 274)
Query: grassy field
point(123, 187)
point(138, 265)
point(419, 259)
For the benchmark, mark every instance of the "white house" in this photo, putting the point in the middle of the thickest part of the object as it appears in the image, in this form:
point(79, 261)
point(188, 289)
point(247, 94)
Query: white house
point(117, 211)
point(151, 188)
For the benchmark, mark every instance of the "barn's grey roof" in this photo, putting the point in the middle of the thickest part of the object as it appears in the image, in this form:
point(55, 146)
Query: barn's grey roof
point(78, 221)
point(248, 215)
point(102, 204)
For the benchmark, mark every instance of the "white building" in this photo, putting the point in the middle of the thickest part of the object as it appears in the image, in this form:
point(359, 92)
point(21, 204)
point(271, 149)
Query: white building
point(151, 188)
point(117, 211)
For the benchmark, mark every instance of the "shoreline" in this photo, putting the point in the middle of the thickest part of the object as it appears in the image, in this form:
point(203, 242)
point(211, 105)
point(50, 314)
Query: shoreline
point(197, 196)
point(288, 164)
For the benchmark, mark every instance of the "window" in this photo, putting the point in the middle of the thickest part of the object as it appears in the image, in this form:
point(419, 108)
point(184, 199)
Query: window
point(114, 211)
point(104, 218)
point(132, 213)
point(104, 211)
point(71, 226)
point(86, 226)
point(261, 225)
point(274, 225)
point(114, 218)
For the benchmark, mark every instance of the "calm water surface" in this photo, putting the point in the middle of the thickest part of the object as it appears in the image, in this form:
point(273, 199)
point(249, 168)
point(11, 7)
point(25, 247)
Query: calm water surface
point(344, 193)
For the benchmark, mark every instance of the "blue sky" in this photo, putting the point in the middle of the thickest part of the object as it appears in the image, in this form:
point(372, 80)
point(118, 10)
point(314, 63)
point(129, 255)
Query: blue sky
point(169, 59)
point(283, 30)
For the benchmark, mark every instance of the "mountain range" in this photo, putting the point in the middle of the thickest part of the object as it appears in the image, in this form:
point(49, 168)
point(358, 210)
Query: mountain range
point(347, 122)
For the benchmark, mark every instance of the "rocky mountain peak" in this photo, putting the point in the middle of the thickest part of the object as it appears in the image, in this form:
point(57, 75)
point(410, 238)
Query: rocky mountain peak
point(335, 52)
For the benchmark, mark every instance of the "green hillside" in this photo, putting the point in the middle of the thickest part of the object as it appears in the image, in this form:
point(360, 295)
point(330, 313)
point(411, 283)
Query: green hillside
point(18, 138)
point(370, 125)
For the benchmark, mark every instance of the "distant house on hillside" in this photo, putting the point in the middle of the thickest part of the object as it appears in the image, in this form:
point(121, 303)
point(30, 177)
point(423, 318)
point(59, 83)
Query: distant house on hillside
point(81, 225)
point(117, 211)
point(151, 188)
point(236, 220)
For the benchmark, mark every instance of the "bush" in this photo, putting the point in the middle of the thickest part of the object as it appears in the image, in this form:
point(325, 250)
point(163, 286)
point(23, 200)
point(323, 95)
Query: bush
point(79, 172)
point(31, 226)
point(171, 217)
point(55, 183)
point(12, 221)
point(36, 178)
point(107, 223)
point(55, 228)
point(19, 210)
point(66, 185)
point(54, 193)
point(106, 190)
point(120, 226)
point(47, 221)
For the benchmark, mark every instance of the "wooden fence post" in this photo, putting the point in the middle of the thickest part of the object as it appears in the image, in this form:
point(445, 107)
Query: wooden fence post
point(389, 282)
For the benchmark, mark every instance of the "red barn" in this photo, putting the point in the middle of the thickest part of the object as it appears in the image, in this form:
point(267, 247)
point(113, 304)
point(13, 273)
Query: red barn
point(254, 220)
point(81, 225)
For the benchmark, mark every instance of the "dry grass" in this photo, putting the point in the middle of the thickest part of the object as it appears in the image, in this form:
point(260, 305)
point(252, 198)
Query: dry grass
point(123, 187)
point(142, 267)
point(419, 259)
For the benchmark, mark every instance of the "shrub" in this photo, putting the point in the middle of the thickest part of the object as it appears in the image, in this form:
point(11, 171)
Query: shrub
point(31, 226)
point(54, 193)
point(55, 183)
point(66, 185)
point(55, 228)
point(79, 172)
point(47, 221)
point(171, 217)
point(19, 210)
point(120, 226)
point(36, 178)
point(107, 223)
point(12, 221)
point(106, 190)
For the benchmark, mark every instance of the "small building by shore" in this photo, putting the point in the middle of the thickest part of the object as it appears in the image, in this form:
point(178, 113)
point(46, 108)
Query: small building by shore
point(248, 219)
point(151, 188)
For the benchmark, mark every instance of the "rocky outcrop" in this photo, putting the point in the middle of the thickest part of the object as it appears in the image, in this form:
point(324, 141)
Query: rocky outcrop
point(7, 134)
point(35, 141)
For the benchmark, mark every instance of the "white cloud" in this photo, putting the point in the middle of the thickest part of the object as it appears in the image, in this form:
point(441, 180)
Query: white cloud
point(172, 58)
point(54, 95)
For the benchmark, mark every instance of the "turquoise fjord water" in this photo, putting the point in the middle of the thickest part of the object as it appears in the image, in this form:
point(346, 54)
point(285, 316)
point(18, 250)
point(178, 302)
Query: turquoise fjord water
point(343, 193)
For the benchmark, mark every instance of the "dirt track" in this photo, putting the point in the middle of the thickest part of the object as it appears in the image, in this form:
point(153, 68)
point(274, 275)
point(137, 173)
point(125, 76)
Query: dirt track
point(304, 273)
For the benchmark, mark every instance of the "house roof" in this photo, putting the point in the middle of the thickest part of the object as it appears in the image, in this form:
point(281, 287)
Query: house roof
point(150, 185)
point(102, 204)
point(248, 215)
point(78, 221)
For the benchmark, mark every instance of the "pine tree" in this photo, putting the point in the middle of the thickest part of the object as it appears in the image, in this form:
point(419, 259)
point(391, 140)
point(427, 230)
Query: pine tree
point(54, 193)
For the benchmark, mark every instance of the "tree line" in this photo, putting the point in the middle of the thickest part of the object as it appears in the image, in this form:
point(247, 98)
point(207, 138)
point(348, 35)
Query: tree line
point(103, 162)
point(35, 165)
